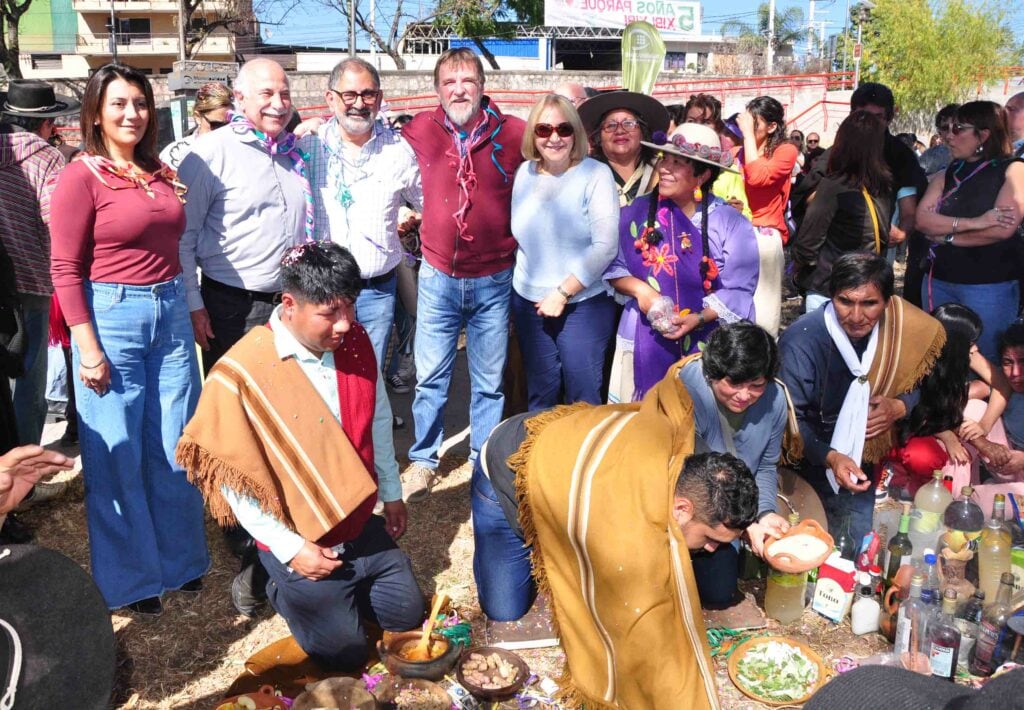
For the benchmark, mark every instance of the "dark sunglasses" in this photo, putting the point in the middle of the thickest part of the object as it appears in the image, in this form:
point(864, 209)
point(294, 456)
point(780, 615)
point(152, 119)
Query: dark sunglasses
point(214, 125)
point(544, 130)
point(958, 128)
point(943, 127)
point(812, 141)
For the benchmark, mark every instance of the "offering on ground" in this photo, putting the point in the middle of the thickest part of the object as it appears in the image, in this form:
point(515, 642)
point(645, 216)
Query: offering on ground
point(776, 671)
point(490, 672)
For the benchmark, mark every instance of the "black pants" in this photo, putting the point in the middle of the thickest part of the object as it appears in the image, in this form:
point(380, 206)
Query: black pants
point(233, 313)
point(326, 616)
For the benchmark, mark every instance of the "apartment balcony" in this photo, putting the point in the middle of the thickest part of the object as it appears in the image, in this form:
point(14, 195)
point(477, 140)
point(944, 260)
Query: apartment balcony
point(150, 45)
point(142, 6)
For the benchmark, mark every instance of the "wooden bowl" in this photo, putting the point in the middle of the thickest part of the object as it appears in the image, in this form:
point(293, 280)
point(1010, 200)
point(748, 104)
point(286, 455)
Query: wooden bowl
point(492, 694)
point(785, 562)
point(389, 688)
point(824, 672)
point(434, 669)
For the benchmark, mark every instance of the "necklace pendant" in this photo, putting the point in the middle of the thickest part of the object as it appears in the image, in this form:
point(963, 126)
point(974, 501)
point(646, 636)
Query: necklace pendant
point(345, 197)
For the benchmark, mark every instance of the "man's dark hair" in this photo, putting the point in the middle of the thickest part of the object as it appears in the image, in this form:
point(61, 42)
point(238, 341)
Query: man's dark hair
point(858, 269)
point(721, 488)
point(30, 124)
point(740, 352)
point(875, 95)
point(320, 272)
point(946, 113)
point(1012, 337)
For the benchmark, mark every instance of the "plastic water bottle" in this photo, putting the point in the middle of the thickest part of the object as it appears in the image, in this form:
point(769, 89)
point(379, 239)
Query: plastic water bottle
point(930, 592)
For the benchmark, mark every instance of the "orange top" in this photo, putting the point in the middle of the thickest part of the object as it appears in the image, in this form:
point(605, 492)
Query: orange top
point(767, 182)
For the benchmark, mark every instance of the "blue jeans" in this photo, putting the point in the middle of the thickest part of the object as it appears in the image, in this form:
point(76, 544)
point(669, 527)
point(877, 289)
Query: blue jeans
point(29, 390)
point(446, 304)
point(716, 574)
point(326, 616)
point(568, 351)
point(859, 508)
point(375, 311)
point(996, 304)
point(145, 519)
point(501, 560)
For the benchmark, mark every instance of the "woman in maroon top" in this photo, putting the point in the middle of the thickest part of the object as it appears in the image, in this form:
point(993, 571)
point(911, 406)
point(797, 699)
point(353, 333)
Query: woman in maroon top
point(115, 222)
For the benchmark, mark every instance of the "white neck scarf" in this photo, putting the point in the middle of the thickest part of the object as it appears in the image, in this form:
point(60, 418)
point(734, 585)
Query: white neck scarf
point(848, 437)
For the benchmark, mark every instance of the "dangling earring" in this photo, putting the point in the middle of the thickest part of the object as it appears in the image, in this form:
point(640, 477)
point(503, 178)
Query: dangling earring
point(697, 195)
point(980, 149)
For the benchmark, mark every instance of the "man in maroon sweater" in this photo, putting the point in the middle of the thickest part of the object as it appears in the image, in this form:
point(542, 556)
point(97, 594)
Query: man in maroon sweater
point(468, 152)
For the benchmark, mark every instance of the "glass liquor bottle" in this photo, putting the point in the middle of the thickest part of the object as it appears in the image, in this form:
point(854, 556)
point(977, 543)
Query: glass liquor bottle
point(944, 639)
point(987, 649)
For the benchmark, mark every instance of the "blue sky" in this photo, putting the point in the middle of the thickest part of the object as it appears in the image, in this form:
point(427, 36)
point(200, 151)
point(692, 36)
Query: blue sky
point(311, 23)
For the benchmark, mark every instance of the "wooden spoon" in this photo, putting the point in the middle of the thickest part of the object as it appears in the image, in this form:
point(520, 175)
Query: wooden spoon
point(420, 651)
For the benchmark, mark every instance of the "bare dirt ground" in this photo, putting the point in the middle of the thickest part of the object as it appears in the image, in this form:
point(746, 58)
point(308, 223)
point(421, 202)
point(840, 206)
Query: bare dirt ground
point(189, 656)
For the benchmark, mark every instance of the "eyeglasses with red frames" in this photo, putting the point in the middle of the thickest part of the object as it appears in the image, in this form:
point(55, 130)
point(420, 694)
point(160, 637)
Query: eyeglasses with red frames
point(958, 128)
point(544, 130)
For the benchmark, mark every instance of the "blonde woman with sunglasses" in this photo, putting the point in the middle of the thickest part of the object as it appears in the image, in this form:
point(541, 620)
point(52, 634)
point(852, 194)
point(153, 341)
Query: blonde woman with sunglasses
point(565, 217)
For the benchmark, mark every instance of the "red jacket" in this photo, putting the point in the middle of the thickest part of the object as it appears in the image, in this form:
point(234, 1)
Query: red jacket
point(486, 245)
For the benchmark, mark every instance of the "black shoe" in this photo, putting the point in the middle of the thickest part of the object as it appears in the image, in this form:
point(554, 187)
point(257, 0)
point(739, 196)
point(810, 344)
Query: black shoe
point(249, 587)
point(15, 532)
point(238, 540)
point(150, 606)
point(193, 587)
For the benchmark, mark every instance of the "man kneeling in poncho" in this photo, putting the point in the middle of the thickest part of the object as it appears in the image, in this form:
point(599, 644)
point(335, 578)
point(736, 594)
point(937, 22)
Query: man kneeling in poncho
point(282, 443)
point(611, 499)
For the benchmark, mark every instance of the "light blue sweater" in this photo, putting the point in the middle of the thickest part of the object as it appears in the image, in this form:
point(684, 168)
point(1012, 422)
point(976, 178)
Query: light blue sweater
point(565, 224)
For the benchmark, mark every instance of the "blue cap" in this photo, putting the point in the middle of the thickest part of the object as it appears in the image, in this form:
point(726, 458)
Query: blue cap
point(929, 559)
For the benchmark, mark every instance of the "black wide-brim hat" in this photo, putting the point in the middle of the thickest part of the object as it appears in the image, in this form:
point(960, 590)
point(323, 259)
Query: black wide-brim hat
point(61, 631)
point(649, 110)
point(30, 98)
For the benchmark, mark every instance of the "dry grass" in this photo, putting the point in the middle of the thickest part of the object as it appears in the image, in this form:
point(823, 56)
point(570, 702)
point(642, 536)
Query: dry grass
point(189, 656)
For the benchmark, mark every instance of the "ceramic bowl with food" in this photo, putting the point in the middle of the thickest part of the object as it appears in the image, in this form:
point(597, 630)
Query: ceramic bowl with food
point(805, 546)
point(395, 654)
point(777, 671)
point(491, 673)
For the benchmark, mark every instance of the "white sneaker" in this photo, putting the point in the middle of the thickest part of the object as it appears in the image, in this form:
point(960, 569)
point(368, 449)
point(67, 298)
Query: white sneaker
point(417, 482)
point(42, 493)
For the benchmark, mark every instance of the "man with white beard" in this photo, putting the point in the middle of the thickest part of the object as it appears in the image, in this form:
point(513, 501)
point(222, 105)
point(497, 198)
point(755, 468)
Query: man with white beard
point(361, 173)
point(468, 153)
point(248, 202)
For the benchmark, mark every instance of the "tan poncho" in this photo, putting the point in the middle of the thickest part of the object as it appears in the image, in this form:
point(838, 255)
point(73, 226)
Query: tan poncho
point(596, 488)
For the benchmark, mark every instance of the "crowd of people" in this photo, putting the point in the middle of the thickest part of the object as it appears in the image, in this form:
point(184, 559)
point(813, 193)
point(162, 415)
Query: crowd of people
point(634, 255)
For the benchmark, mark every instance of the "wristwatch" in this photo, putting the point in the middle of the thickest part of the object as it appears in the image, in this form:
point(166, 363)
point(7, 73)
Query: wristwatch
point(565, 294)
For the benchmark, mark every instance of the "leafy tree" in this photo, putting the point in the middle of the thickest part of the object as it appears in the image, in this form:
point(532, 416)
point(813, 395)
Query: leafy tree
point(237, 16)
point(931, 54)
point(479, 19)
point(11, 12)
point(790, 30)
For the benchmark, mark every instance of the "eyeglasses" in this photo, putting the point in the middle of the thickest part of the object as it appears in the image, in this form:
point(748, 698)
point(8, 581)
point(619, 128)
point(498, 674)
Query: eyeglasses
point(544, 130)
point(369, 96)
point(958, 128)
point(628, 125)
point(812, 141)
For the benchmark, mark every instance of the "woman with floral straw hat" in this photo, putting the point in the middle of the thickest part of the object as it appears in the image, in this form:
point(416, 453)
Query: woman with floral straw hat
point(694, 262)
